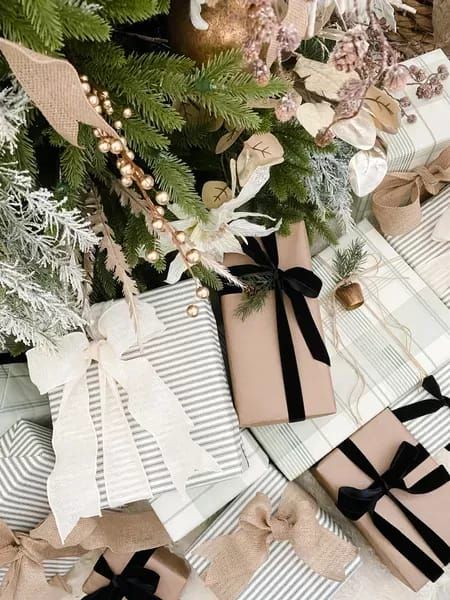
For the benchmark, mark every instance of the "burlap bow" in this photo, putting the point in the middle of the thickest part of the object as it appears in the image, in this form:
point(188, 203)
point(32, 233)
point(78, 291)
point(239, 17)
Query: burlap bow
point(24, 553)
point(396, 202)
point(235, 558)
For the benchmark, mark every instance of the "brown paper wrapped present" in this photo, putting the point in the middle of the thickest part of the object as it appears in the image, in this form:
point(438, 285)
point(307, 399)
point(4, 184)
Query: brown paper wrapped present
point(278, 362)
point(155, 574)
point(397, 494)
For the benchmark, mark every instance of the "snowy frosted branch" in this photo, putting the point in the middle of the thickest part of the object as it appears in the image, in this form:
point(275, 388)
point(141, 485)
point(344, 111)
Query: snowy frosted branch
point(13, 109)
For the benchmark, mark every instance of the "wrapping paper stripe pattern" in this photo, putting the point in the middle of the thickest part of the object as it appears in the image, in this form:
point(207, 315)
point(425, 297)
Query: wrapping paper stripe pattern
point(180, 516)
point(432, 431)
point(283, 575)
point(20, 398)
point(26, 461)
point(418, 249)
point(388, 372)
point(188, 358)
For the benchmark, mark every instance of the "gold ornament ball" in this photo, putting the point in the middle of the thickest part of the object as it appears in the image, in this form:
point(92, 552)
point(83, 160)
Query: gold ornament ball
point(97, 133)
point(107, 103)
point(162, 198)
point(120, 162)
point(202, 292)
point(93, 100)
point(86, 87)
point(126, 181)
point(160, 210)
point(147, 182)
point(126, 169)
point(158, 224)
point(181, 236)
point(127, 113)
point(228, 28)
point(109, 110)
point(99, 109)
point(193, 256)
point(116, 147)
point(192, 310)
point(104, 94)
point(84, 78)
point(104, 146)
point(124, 141)
point(153, 256)
point(130, 154)
point(118, 124)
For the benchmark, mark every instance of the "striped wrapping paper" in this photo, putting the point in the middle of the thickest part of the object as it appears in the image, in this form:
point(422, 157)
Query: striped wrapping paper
point(19, 398)
point(180, 516)
point(432, 431)
point(283, 575)
point(189, 360)
point(26, 461)
point(419, 249)
point(388, 372)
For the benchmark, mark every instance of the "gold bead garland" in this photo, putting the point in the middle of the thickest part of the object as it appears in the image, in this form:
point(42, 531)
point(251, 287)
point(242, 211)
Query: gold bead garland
point(133, 174)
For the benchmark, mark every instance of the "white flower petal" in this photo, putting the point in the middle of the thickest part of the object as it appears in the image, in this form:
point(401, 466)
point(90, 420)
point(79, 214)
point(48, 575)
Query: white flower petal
point(176, 269)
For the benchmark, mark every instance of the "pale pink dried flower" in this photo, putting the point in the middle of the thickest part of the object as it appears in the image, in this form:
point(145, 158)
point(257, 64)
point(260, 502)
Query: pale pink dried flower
point(348, 54)
point(286, 108)
point(351, 95)
point(395, 78)
point(288, 37)
point(324, 137)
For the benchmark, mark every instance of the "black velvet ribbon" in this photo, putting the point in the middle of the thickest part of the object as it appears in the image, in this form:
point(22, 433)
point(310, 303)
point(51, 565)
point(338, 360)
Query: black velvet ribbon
point(425, 407)
point(297, 284)
point(134, 583)
point(354, 503)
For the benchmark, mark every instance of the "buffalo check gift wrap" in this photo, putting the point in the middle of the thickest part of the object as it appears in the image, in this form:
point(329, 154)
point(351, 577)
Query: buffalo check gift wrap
point(384, 350)
point(294, 563)
point(132, 421)
point(181, 515)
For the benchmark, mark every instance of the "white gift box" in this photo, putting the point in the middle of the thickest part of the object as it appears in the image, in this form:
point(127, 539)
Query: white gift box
point(283, 575)
point(180, 516)
point(402, 326)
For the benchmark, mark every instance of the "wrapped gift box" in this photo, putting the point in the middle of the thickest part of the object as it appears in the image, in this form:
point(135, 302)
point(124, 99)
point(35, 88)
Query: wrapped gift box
point(26, 461)
point(428, 256)
point(283, 574)
point(180, 516)
point(379, 441)
point(376, 351)
point(259, 356)
point(19, 398)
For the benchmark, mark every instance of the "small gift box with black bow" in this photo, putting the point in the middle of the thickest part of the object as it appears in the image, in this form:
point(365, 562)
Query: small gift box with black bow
point(398, 496)
point(278, 361)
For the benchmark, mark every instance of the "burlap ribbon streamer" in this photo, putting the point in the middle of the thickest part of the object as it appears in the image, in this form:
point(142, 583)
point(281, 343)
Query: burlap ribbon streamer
point(55, 89)
point(296, 15)
point(24, 553)
point(235, 558)
point(396, 202)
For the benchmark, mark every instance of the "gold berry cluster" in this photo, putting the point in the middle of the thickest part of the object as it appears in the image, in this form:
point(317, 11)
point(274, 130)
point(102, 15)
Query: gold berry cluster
point(132, 174)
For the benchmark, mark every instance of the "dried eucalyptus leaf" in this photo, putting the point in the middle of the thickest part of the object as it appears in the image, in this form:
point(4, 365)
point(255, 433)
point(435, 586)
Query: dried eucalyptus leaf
point(227, 140)
point(260, 150)
point(366, 170)
point(215, 193)
point(359, 131)
point(384, 109)
point(315, 116)
point(321, 78)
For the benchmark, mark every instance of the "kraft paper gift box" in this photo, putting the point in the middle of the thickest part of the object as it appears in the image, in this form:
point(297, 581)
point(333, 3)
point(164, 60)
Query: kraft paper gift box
point(19, 398)
point(427, 247)
point(175, 426)
point(26, 461)
point(376, 362)
point(181, 516)
point(369, 476)
point(283, 574)
point(272, 381)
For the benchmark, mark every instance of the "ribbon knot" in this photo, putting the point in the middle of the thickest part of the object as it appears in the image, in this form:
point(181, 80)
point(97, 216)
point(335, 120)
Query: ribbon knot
point(281, 529)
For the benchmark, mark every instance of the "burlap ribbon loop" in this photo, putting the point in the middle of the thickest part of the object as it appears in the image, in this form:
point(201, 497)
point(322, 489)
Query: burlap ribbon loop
point(236, 557)
point(396, 202)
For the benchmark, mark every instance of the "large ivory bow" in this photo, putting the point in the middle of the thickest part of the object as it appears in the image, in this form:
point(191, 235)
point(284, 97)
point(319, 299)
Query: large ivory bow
point(396, 202)
point(72, 486)
point(235, 558)
point(24, 553)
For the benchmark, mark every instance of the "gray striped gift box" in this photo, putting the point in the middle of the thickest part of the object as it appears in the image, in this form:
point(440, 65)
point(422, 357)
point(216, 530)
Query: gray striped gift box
point(388, 370)
point(20, 398)
point(283, 575)
point(432, 431)
point(420, 250)
point(188, 358)
point(180, 516)
point(26, 461)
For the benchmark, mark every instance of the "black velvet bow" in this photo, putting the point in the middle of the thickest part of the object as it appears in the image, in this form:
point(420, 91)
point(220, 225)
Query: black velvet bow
point(297, 284)
point(354, 503)
point(427, 406)
point(134, 583)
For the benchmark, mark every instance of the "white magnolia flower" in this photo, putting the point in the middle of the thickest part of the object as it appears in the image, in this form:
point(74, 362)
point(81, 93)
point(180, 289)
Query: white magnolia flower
point(225, 228)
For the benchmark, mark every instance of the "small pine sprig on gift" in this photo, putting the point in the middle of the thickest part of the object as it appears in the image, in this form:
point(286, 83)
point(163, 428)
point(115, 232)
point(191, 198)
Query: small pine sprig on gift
point(254, 296)
point(349, 261)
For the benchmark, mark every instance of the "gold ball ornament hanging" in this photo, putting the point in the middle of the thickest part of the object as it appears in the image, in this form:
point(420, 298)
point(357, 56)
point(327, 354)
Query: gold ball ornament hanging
point(158, 224)
point(127, 113)
point(104, 146)
point(116, 147)
point(118, 125)
point(160, 210)
point(181, 237)
point(162, 198)
point(147, 182)
point(202, 292)
point(126, 182)
point(126, 169)
point(192, 310)
point(193, 256)
point(93, 100)
point(228, 28)
point(153, 256)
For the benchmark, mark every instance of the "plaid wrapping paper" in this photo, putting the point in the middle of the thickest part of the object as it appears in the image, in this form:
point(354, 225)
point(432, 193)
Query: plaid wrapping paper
point(283, 575)
point(180, 516)
point(26, 461)
point(188, 358)
point(419, 249)
point(19, 398)
point(388, 372)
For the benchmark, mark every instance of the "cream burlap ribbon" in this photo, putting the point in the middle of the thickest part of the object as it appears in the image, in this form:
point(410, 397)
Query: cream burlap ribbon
point(55, 89)
point(24, 553)
point(235, 558)
point(396, 201)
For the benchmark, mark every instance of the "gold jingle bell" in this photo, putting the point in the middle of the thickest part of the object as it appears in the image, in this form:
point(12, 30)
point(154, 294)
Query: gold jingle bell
point(350, 295)
point(227, 29)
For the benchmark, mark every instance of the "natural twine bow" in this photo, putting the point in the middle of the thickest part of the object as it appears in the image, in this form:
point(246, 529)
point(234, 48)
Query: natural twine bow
point(236, 557)
point(72, 486)
point(24, 553)
point(396, 202)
